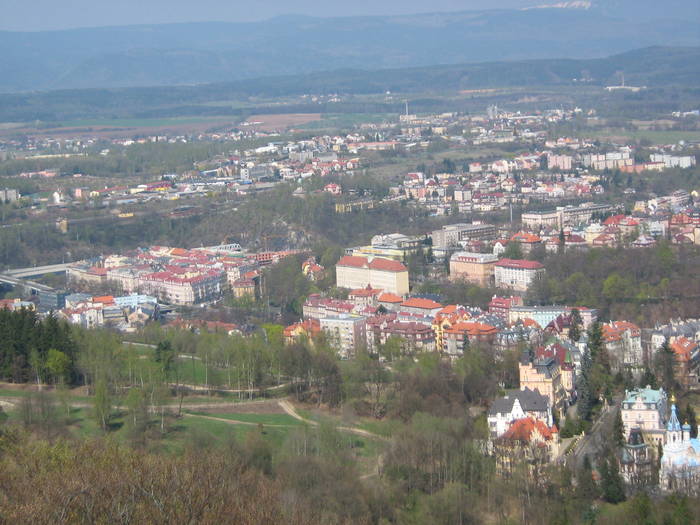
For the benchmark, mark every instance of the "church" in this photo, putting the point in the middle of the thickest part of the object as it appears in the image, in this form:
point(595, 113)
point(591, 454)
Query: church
point(680, 462)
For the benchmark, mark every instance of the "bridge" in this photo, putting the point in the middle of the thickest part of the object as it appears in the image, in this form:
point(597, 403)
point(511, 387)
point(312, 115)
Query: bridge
point(31, 286)
point(18, 277)
point(36, 271)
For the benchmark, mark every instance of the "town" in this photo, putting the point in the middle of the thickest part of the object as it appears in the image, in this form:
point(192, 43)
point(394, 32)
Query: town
point(402, 288)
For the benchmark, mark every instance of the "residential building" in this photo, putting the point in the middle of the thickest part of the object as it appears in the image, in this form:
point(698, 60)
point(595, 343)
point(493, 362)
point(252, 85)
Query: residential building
point(346, 332)
point(501, 306)
point(458, 337)
point(637, 461)
point(543, 375)
point(542, 315)
point(646, 410)
point(623, 341)
point(517, 404)
point(687, 353)
point(305, 329)
point(527, 441)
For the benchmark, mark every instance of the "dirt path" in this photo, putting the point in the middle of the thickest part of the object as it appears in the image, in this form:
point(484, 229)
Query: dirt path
point(234, 421)
point(290, 410)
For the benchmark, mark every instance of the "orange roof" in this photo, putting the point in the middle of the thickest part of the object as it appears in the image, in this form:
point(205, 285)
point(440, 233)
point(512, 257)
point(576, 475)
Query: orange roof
point(523, 430)
point(417, 302)
point(473, 329)
point(390, 298)
point(178, 252)
point(309, 327)
point(364, 292)
point(683, 348)
point(387, 265)
point(525, 237)
point(104, 299)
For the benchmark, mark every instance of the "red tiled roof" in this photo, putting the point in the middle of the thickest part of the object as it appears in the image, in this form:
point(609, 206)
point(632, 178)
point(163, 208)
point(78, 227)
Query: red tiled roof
point(387, 265)
point(519, 264)
point(390, 298)
point(417, 302)
point(354, 261)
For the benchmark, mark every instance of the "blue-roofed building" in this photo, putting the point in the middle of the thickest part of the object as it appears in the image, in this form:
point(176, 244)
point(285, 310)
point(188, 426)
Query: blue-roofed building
point(646, 409)
point(680, 462)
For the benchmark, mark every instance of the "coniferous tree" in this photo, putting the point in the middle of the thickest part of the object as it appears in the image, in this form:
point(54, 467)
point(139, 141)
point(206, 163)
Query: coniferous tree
point(612, 486)
point(648, 379)
point(586, 399)
point(587, 489)
point(665, 363)
point(618, 430)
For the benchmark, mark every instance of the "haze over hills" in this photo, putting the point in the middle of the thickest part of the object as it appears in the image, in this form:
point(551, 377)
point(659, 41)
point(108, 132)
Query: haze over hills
point(198, 53)
point(655, 67)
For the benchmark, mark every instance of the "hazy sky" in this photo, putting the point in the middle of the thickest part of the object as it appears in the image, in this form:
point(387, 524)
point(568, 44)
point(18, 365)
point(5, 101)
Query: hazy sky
point(36, 15)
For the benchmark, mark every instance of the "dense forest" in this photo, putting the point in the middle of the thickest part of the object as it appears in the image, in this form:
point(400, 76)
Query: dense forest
point(36, 350)
point(642, 285)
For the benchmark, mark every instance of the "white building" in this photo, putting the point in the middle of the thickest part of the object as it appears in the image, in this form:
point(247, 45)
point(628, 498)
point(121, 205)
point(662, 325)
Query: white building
point(384, 274)
point(515, 405)
point(517, 274)
point(680, 460)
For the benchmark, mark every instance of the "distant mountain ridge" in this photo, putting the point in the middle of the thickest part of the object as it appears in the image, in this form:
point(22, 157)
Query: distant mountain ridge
point(200, 53)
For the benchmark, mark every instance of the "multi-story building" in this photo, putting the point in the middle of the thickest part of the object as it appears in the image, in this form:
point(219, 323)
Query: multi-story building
point(517, 404)
point(477, 268)
point(646, 410)
point(184, 288)
point(517, 274)
point(542, 315)
point(385, 274)
point(458, 337)
point(544, 376)
point(317, 307)
point(501, 306)
point(623, 341)
point(346, 332)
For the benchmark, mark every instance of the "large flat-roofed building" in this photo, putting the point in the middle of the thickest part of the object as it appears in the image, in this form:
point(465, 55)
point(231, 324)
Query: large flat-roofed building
point(477, 268)
point(385, 274)
point(451, 235)
point(517, 274)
